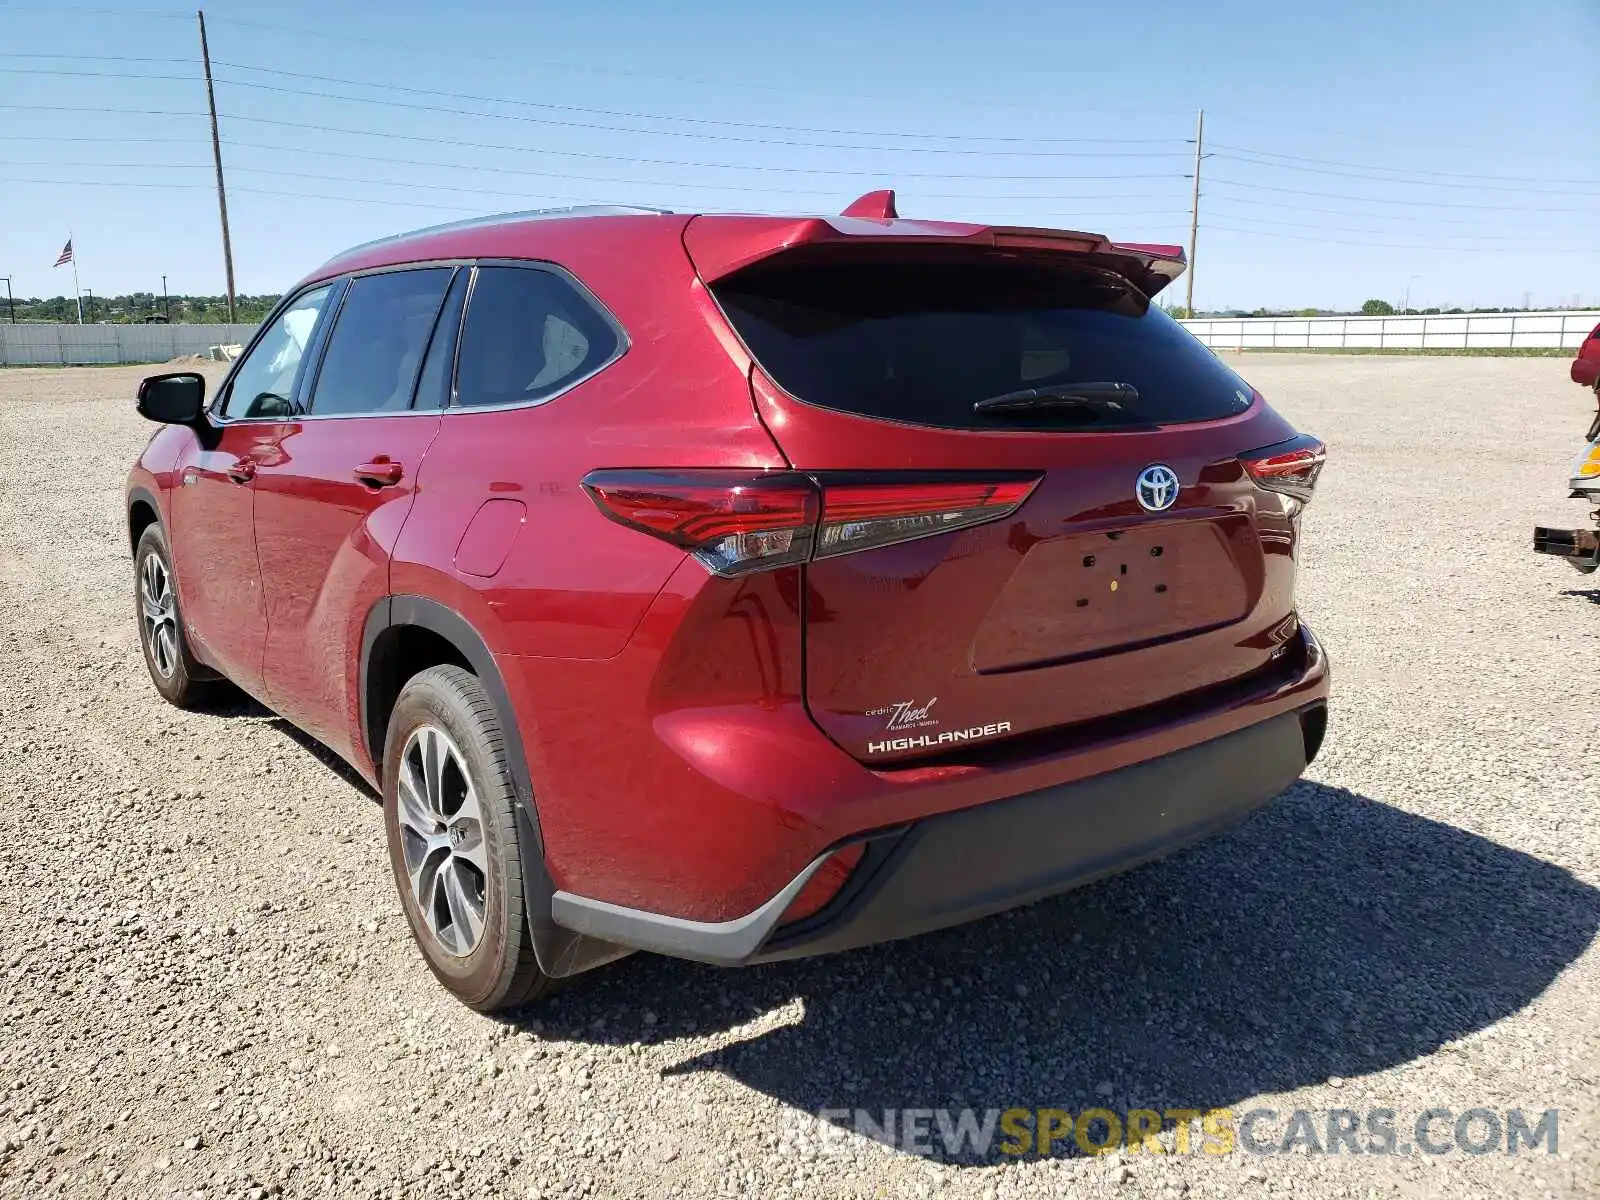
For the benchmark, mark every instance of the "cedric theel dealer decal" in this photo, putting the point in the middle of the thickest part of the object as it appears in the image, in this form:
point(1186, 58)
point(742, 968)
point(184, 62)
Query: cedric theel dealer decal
point(908, 714)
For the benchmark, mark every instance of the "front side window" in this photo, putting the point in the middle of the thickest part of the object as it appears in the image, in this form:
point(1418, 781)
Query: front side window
point(264, 383)
point(378, 341)
point(529, 334)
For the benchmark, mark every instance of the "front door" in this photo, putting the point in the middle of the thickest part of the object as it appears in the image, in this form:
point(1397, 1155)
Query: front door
point(213, 542)
point(332, 500)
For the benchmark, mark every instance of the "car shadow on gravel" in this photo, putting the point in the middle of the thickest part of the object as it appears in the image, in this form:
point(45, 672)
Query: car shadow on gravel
point(228, 701)
point(1328, 935)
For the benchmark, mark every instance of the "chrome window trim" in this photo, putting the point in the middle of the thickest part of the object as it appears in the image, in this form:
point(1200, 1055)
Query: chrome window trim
point(340, 281)
point(624, 342)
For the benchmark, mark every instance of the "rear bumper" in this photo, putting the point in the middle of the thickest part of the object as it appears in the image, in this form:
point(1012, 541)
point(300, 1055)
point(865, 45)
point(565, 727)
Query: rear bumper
point(958, 866)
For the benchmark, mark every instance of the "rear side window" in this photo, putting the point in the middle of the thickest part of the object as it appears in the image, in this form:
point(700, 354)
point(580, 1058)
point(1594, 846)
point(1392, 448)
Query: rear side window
point(377, 343)
point(529, 334)
point(921, 341)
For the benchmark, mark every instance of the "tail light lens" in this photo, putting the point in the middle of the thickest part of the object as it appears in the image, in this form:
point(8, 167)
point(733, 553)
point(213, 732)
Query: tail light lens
point(735, 523)
point(1289, 467)
point(858, 517)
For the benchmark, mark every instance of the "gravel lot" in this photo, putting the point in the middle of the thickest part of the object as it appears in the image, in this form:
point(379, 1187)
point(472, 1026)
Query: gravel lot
point(206, 988)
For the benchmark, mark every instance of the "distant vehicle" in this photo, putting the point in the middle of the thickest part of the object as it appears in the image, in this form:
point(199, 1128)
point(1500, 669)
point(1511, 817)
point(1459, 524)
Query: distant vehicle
point(740, 587)
point(1581, 547)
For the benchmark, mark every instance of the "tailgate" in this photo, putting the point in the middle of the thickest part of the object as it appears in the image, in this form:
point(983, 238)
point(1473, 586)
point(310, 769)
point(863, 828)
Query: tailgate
point(1143, 564)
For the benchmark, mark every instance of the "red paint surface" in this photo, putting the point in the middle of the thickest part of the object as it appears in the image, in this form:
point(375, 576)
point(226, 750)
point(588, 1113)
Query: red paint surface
point(695, 741)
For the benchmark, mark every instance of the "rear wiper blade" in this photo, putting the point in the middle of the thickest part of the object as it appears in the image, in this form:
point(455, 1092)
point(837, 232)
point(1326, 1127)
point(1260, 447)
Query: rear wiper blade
point(1110, 397)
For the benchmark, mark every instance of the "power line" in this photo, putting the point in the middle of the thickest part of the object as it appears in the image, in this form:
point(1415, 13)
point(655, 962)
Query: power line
point(102, 109)
point(75, 57)
point(700, 165)
point(625, 158)
point(1433, 183)
point(124, 141)
point(608, 179)
point(53, 9)
point(1413, 218)
point(523, 196)
point(1328, 162)
point(1469, 237)
point(524, 63)
point(1262, 187)
point(635, 115)
point(1296, 237)
point(119, 75)
point(388, 103)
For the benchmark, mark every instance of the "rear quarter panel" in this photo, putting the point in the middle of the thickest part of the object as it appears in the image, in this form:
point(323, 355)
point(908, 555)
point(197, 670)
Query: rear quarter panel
point(573, 586)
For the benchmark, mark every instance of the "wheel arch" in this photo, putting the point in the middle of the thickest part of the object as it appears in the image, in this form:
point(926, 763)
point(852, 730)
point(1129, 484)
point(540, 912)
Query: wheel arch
point(384, 638)
point(143, 512)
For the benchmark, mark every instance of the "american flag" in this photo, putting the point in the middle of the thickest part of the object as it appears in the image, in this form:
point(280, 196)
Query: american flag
point(66, 254)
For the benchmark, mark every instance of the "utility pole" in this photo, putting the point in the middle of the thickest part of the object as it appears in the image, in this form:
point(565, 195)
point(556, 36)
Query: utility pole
point(1194, 212)
point(90, 293)
point(216, 157)
point(166, 304)
point(10, 303)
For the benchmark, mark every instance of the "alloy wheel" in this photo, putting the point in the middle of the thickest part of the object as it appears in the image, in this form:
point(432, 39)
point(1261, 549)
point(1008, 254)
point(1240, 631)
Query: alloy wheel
point(441, 835)
point(158, 609)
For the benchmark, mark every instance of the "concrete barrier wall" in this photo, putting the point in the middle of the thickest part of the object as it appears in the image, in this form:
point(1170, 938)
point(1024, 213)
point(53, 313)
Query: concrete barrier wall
point(59, 345)
point(1484, 331)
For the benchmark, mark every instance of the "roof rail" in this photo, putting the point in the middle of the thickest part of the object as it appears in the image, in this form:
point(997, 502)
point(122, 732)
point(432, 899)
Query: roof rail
point(532, 214)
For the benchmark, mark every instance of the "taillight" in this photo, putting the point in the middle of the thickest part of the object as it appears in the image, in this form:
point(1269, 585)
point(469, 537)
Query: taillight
point(736, 522)
point(860, 516)
point(1289, 467)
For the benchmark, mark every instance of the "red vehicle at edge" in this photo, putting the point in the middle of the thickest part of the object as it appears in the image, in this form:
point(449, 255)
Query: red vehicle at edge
point(1581, 547)
point(740, 587)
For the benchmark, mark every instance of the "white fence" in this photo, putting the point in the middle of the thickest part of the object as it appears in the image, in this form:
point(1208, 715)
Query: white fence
point(45, 345)
point(1472, 331)
point(29, 344)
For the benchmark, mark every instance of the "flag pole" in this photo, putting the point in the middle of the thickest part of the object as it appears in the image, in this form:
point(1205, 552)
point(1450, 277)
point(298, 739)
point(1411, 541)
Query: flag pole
point(75, 288)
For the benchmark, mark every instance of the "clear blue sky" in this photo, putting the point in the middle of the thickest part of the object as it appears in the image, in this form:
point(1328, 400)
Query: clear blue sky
point(1455, 148)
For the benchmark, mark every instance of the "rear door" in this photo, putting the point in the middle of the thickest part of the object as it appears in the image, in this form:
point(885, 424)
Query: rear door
point(1143, 566)
point(331, 501)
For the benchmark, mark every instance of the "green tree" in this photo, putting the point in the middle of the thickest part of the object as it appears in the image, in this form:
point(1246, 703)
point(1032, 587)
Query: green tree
point(1378, 308)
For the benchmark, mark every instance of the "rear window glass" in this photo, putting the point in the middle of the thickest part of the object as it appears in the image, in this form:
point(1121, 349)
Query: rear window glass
point(922, 341)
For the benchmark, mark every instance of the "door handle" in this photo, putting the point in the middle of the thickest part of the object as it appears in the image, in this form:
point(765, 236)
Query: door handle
point(380, 472)
point(242, 470)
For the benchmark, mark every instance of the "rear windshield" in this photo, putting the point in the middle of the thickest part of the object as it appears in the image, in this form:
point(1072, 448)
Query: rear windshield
point(922, 341)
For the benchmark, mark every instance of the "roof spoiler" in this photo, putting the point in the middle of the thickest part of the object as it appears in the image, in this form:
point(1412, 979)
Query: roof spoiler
point(722, 245)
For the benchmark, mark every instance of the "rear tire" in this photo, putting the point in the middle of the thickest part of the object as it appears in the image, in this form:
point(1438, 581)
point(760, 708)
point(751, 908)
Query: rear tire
point(177, 674)
point(449, 814)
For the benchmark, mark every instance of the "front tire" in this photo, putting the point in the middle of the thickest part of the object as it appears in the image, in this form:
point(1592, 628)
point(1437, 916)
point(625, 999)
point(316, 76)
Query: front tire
point(449, 814)
point(177, 674)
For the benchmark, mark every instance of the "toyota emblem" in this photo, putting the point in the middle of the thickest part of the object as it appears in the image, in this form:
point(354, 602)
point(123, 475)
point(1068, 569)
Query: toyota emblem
point(1156, 488)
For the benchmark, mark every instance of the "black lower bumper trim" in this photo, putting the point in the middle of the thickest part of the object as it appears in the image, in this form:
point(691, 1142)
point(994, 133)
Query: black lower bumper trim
point(1580, 545)
point(960, 866)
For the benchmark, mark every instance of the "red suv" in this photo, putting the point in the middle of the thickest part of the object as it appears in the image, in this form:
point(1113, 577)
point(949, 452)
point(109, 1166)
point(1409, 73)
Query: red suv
point(740, 587)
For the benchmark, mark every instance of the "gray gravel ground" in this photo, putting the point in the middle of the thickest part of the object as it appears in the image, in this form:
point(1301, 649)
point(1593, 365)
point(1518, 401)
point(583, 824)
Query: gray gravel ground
point(206, 989)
